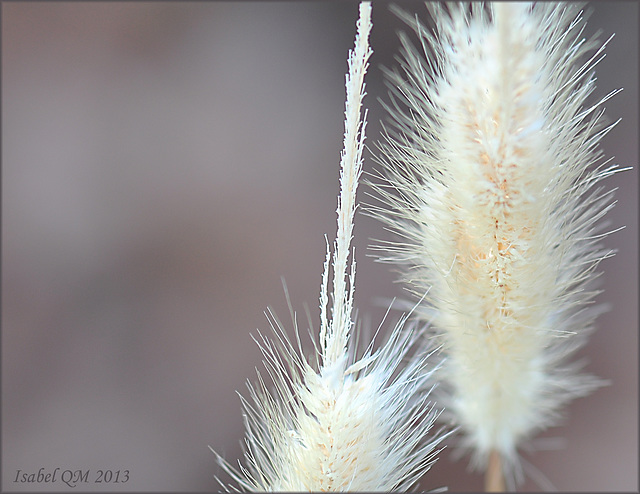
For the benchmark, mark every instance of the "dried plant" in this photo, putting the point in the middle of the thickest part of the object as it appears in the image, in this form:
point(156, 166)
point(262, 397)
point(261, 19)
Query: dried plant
point(492, 176)
point(337, 422)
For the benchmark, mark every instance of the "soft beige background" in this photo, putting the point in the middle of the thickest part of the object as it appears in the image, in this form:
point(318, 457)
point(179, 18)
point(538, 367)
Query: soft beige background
point(163, 165)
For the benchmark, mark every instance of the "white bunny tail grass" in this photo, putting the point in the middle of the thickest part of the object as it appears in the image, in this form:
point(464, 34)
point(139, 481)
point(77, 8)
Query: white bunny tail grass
point(340, 422)
point(492, 176)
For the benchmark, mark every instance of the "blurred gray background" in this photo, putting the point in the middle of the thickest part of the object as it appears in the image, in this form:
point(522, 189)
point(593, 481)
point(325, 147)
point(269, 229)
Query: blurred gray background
point(163, 166)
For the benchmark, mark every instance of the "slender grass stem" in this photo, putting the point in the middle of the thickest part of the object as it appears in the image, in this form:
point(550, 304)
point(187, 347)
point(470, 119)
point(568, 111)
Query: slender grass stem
point(494, 478)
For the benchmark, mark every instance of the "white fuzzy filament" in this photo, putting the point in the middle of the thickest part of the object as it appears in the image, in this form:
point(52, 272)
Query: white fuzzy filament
point(490, 177)
point(343, 423)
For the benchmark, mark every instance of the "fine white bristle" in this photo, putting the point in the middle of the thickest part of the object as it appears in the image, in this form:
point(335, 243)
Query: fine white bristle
point(492, 177)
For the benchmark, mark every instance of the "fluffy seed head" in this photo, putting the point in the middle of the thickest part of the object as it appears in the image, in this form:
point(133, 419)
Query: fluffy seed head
point(492, 173)
point(340, 422)
point(366, 427)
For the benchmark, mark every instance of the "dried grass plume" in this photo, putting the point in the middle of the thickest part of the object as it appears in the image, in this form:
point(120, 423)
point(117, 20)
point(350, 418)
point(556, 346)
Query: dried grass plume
point(339, 421)
point(492, 177)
